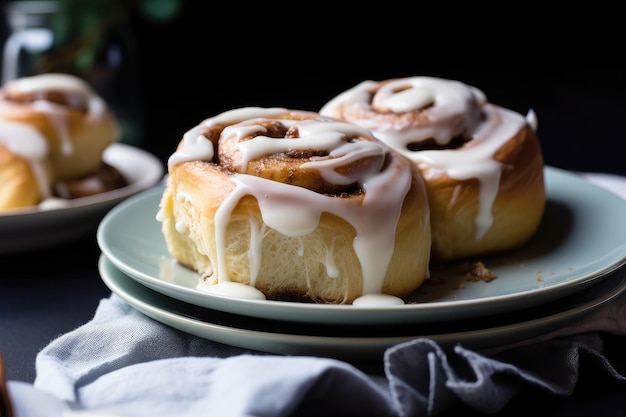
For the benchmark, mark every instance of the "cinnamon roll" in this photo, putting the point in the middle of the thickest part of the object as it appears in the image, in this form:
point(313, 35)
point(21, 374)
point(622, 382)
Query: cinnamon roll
point(482, 163)
point(295, 206)
point(25, 170)
point(53, 131)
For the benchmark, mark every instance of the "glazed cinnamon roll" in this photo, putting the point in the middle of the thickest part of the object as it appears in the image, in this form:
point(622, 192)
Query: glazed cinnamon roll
point(25, 170)
point(482, 163)
point(76, 122)
point(53, 131)
point(295, 206)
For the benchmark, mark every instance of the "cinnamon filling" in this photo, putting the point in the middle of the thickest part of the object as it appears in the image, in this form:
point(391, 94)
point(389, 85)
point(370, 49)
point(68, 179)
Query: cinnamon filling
point(106, 179)
point(64, 98)
point(431, 145)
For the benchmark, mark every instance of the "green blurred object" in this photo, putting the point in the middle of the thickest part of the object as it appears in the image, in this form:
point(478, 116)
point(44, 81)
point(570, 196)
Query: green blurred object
point(83, 28)
point(90, 39)
point(160, 11)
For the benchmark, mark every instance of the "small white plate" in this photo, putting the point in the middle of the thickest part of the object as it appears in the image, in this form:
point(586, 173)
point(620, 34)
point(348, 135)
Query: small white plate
point(356, 342)
point(582, 238)
point(35, 228)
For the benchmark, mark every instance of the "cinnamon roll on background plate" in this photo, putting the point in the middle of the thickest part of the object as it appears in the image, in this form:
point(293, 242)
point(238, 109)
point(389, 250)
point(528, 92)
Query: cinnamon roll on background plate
point(286, 204)
point(61, 166)
point(53, 132)
point(482, 163)
point(25, 169)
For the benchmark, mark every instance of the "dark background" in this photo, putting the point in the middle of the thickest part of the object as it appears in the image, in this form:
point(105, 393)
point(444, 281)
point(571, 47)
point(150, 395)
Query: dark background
point(205, 62)
point(566, 66)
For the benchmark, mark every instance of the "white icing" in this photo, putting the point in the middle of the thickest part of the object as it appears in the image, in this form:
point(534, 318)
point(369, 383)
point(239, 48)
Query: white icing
point(531, 119)
point(449, 109)
point(96, 107)
point(257, 233)
point(195, 147)
point(374, 218)
point(23, 140)
point(232, 289)
point(56, 114)
point(477, 161)
point(29, 144)
point(69, 84)
point(376, 300)
point(46, 81)
point(53, 203)
point(27, 141)
point(331, 265)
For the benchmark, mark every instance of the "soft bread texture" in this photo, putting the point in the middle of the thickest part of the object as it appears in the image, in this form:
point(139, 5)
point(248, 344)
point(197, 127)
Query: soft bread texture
point(25, 169)
point(66, 111)
point(517, 209)
point(53, 131)
point(321, 265)
point(482, 164)
point(76, 140)
point(19, 183)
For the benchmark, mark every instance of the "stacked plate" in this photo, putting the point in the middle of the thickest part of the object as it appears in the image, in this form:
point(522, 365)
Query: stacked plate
point(573, 265)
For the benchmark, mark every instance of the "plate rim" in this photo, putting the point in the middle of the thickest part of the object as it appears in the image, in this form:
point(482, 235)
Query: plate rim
point(18, 226)
point(346, 347)
point(327, 312)
point(154, 175)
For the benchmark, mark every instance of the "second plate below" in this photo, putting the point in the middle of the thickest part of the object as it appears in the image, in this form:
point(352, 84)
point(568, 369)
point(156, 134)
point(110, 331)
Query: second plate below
point(581, 239)
point(356, 342)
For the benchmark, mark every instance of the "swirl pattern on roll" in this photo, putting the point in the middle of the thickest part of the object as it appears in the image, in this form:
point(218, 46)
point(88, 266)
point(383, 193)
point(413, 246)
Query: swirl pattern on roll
point(56, 127)
point(68, 113)
point(298, 169)
point(450, 131)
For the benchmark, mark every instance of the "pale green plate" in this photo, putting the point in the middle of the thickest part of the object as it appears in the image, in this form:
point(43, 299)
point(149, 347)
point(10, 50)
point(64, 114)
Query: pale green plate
point(582, 238)
point(358, 342)
point(34, 228)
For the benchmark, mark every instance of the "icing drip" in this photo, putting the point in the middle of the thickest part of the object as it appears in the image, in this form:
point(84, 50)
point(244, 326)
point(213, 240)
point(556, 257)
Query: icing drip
point(69, 85)
point(445, 110)
point(477, 161)
point(28, 142)
point(374, 218)
point(56, 115)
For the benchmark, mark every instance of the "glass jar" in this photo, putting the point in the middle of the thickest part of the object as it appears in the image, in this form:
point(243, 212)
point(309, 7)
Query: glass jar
point(91, 40)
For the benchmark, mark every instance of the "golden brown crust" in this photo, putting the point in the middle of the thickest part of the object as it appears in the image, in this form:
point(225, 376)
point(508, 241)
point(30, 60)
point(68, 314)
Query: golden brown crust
point(517, 209)
point(292, 275)
point(76, 140)
point(375, 115)
point(292, 267)
point(482, 164)
point(53, 131)
point(74, 99)
point(19, 187)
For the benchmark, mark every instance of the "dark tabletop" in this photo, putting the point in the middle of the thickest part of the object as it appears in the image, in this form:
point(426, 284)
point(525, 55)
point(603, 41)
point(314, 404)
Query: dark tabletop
point(45, 294)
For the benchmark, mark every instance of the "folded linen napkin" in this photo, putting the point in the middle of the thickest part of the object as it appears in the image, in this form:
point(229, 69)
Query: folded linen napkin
point(127, 363)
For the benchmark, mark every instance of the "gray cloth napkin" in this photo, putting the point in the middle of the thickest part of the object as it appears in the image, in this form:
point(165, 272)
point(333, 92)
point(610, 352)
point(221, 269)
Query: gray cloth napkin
point(124, 361)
